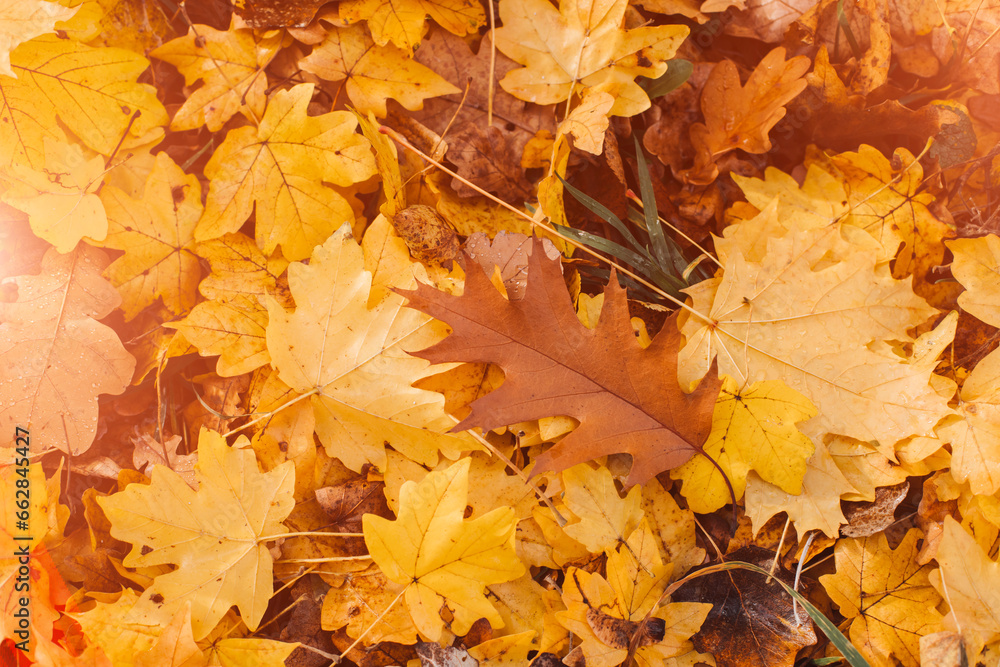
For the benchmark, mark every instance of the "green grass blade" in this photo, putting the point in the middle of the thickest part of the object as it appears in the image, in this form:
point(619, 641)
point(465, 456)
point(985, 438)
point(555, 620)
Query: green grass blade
point(845, 25)
point(602, 212)
point(656, 238)
point(623, 254)
point(677, 262)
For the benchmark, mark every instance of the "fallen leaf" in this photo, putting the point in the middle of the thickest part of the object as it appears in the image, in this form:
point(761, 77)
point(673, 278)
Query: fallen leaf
point(752, 429)
point(451, 57)
point(510, 650)
point(281, 166)
point(750, 621)
point(402, 21)
point(816, 508)
point(606, 613)
point(432, 655)
point(372, 74)
point(604, 519)
point(230, 64)
point(864, 519)
point(92, 91)
point(508, 253)
point(969, 580)
point(60, 199)
point(157, 234)
point(217, 533)
point(359, 602)
point(149, 453)
point(440, 557)
point(23, 21)
point(586, 382)
point(887, 594)
point(486, 158)
point(822, 331)
point(739, 116)
point(429, 239)
point(975, 439)
point(57, 356)
point(589, 121)
point(276, 13)
point(361, 394)
point(581, 46)
point(673, 526)
point(944, 649)
point(767, 20)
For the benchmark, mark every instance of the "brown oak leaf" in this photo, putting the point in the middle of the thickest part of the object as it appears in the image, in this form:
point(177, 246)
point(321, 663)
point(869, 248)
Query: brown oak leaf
point(626, 398)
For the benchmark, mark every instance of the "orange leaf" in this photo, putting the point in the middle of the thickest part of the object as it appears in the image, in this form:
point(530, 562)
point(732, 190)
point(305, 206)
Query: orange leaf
point(741, 116)
point(627, 398)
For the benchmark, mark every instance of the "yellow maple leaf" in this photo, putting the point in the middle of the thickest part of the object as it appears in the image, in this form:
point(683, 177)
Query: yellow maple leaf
point(350, 356)
point(816, 310)
point(970, 582)
point(975, 438)
point(22, 20)
point(753, 428)
point(234, 329)
point(61, 198)
point(215, 535)
point(489, 485)
point(605, 519)
point(673, 526)
point(581, 44)
point(91, 91)
point(232, 322)
point(122, 639)
point(440, 557)
point(588, 121)
point(230, 64)
point(885, 199)
point(387, 161)
point(887, 594)
point(122, 23)
point(510, 650)
point(358, 603)
point(372, 74)
point(866, 468)
point(402, 22)
point(527, 606)
point(240, 268)
point(817, 507)
point(167, 639)
point(282, 166)
point(819, 200)
point(157, 234)
point(977, 263)
point(604, 613)
point(864, 190)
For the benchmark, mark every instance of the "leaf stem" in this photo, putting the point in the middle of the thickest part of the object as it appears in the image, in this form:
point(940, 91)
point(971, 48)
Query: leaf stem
point(307, 533)
point(271, 413)
point(330, 559)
